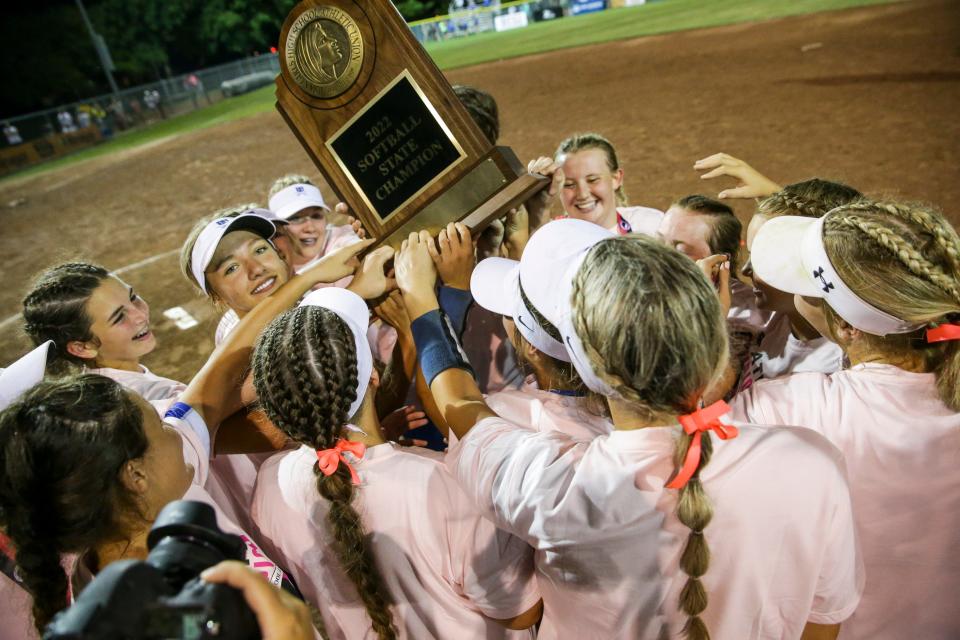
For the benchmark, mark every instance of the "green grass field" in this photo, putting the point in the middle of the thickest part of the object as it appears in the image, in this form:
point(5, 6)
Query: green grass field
point(660, 16)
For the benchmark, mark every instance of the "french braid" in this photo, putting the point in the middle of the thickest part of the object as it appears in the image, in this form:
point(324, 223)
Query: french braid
point(305, 374)
point(902, 259)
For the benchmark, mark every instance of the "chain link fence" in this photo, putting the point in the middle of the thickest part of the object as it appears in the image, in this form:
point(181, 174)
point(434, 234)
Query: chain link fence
point(43, 135)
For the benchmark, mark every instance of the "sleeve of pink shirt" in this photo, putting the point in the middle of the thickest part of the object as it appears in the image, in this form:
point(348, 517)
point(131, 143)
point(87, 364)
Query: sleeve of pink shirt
point(514, 474)
point(493, 569)
point(840, 584)
point(196, 451)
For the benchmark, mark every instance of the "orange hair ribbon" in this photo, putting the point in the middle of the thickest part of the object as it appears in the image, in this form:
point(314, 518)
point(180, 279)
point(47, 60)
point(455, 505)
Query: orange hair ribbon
point(705, 419)
point(329, 459)
point(944, 332)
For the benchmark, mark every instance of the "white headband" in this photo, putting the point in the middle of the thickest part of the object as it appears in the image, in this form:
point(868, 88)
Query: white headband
point(297, 197)
point(352, 309)
point(788, 253)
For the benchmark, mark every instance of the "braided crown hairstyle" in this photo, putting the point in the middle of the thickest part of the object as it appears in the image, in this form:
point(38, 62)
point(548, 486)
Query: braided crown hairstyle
point(585, 141)
point(305, 374)
point(62, 446)
point(56, 307)
point(660, 361)
point(811, 199)
point(905, 260)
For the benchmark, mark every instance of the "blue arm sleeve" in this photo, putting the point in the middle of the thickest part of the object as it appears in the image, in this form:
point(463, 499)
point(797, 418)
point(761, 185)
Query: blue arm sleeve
point(437, 346)
point(455, 304)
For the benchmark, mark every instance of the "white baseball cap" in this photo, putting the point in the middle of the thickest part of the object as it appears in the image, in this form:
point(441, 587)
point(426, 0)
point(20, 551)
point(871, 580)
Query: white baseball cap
point(254, 220)
point(352, 309)
point(788, 253)
point(297, 197)
point(23, 374)
point(495, 285)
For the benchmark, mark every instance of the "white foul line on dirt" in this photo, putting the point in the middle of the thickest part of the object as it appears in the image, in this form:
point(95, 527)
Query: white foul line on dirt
point(124, 269)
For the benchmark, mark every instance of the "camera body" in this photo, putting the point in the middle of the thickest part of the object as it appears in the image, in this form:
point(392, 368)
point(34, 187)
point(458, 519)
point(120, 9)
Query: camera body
point(164, 597)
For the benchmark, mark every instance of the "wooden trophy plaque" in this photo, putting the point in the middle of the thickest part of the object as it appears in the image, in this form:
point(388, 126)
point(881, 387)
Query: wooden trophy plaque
point(385, 128)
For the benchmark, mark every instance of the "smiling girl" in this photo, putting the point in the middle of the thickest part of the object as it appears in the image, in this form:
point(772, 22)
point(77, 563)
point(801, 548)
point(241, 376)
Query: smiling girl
point(99, 322)
point(296, 199)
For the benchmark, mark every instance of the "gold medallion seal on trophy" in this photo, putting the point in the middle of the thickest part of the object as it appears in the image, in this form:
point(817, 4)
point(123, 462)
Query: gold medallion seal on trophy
point(324, 51)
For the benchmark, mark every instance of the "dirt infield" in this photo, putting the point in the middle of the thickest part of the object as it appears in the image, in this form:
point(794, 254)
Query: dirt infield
point(869, 96)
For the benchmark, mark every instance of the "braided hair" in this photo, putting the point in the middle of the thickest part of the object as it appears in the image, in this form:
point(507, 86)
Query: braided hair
point(905, 260)
point(811, 198)
point(305, 374)
point(63, 445)
point(56, 307)
point(660, 361)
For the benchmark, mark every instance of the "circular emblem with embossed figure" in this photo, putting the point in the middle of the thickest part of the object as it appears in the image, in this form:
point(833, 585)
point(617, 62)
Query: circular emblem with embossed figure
point(324, 51)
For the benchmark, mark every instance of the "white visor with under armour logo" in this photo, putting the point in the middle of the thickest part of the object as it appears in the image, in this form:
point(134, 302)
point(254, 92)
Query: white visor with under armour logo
point(788, 253)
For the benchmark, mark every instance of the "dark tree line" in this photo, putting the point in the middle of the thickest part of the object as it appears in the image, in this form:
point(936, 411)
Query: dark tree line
point(48, 58)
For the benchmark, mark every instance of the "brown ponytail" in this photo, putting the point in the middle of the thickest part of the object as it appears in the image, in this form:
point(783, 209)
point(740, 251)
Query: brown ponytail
point(660, 361)
point(305, 374)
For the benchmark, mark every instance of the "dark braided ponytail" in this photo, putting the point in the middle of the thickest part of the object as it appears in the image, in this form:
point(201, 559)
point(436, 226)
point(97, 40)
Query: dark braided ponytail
point(305, 374)
point(62, 447)
point(56, 307)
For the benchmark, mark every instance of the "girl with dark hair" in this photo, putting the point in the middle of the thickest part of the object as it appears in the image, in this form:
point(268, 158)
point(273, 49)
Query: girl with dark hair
point(97, 321)
point(87, 464)
point(650, 531)
point(378, 537)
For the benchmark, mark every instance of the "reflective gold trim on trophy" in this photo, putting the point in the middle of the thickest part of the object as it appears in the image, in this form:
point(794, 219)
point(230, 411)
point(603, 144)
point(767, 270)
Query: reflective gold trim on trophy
point(324, 51)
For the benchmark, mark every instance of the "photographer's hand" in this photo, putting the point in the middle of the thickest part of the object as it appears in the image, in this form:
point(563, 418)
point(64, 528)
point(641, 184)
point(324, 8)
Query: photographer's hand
point(280, 615)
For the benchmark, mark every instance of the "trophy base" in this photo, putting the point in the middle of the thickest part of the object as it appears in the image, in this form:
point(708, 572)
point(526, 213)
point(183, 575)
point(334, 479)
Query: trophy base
point(492, 188)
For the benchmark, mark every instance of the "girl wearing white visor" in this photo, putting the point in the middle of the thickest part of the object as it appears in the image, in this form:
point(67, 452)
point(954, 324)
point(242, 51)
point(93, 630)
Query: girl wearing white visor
point(380, 537)
point(552, 398)
point(882, 280)
point(296, 199)
point(626, 526)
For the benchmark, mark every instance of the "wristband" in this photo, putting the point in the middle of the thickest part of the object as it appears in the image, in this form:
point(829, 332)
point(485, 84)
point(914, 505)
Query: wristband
point(455, 304)
point(437, 345)
point(182, 415)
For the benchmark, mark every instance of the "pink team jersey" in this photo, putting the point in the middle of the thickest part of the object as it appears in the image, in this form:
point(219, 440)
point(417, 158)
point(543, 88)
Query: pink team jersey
point(783, 550)
point(232, 477)
point(902, 449)
point(447, 570)
point(15, 607)
point(542, 410)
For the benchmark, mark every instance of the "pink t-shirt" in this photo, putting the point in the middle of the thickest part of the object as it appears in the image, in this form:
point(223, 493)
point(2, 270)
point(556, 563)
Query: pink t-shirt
point(541, 410)
point(902, 449)
point(157, 390)
point(231, 477)
point(15, 611)
point(608, 542)
point(447, 569)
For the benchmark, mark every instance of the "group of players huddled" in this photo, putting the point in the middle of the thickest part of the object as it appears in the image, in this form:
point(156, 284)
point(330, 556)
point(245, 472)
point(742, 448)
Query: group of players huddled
point(628, 439)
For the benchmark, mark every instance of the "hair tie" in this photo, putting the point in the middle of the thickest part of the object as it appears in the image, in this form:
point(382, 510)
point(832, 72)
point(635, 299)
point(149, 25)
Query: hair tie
point(706, 419)
point(328, 460)
point(945, 332)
